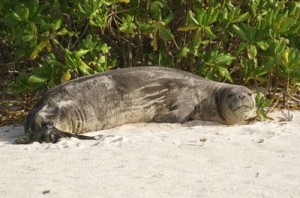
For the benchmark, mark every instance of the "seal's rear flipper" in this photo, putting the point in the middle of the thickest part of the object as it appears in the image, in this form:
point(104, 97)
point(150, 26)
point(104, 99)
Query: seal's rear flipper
point(63, 134)
point(81, 137)
point(51, 135)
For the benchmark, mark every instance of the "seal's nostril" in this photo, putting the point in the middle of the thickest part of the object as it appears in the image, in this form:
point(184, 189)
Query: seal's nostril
point(249, 94)
point(241, 96)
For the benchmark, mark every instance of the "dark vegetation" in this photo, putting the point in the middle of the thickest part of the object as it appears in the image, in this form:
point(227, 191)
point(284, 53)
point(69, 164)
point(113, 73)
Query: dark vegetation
point(255, 43)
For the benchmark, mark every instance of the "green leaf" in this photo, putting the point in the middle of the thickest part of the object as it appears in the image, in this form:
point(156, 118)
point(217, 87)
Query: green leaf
point(209, 33)
point(63, 32)
point(30, 32)
point(16, 89)
point(240, 32)
point(212, 16)
point(73, 61)
point(66, 76)
point(82, 10)
point(263, 45)
point(155, 10)
point(191, 19)
point(188, 28)
point(43, 74)
point(294, 29)
point(23, 12)
point(184, 52)
point(252, 52)
point(201, 16)
point(57, 24)
point(146, 28)
point(85, 69)
point(88, 43)
point(165, 34)
point(223, 71)
point(33, 5)
point(169, 18)
point(206, 17)
point(284, 24)
point(54, 63)
point(195, 41)
point(267, 64)
point(38, 48)
point(12, 19)
point(21, 85)
point(286, 57)
point(27, 38)
point(124, 1)
point(279, 46)
point(261, 104)
point(241, 18)
point(99, 18)
point(37, 79)
point(104, 48)
point(102, 59)
point(128, 25)
point(224, 59)
point(261, 114)
point(81, 52)
point(242, 47)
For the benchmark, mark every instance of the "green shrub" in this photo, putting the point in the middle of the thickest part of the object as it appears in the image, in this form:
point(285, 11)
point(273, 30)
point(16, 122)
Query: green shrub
point(254, 42)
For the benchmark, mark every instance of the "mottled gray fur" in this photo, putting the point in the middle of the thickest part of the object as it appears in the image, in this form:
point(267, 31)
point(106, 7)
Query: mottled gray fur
point(140, 94)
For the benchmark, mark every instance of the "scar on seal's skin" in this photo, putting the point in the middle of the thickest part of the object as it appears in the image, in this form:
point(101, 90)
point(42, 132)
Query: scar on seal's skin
point(132, 95)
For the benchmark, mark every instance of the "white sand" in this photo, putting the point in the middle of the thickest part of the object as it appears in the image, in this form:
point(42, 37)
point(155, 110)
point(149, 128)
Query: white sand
point(158, 160)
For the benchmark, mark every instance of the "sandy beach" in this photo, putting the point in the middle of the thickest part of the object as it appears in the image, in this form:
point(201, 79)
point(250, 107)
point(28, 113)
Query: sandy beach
point(197, 159)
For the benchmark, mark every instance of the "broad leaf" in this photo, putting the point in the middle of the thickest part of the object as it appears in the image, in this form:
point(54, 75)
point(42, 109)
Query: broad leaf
point(165, 34)
point(223, 71)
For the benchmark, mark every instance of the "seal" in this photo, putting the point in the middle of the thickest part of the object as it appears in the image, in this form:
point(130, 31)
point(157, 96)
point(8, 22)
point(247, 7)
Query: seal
point(132, 95)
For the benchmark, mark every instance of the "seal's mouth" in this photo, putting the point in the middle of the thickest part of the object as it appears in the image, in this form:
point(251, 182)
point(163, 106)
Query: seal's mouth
point(242, 110)
point(243, 107)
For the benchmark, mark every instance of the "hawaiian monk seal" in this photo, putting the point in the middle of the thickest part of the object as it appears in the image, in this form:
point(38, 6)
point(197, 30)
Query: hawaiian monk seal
point(131, 95)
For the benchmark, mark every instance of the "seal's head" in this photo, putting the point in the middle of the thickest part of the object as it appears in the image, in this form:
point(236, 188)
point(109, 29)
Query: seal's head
point(237, 103)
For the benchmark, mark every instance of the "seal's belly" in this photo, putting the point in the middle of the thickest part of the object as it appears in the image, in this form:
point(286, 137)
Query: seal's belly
point(83, 117)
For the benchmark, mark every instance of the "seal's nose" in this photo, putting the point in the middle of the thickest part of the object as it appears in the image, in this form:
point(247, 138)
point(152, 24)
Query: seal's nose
point(241, 96)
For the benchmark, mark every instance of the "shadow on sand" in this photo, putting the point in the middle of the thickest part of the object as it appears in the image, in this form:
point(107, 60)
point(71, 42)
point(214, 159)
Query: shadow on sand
point(9, 133)
point(193, 123)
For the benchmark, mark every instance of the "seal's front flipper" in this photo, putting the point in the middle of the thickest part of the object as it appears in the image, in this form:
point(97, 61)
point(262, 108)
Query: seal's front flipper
point(25, 139)
point(180, 115)
point(45, 133)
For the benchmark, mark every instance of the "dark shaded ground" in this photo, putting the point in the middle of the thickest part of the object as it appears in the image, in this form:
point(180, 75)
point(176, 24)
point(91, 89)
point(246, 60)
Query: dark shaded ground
point(13, 109)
